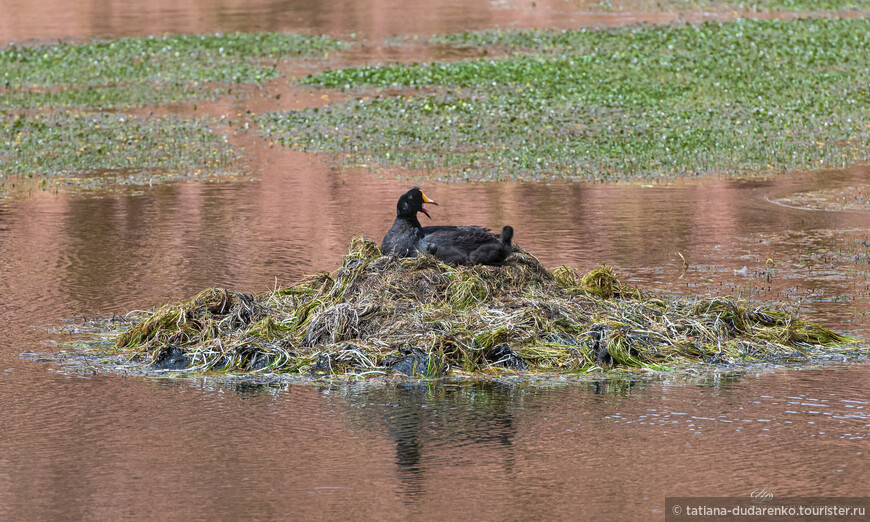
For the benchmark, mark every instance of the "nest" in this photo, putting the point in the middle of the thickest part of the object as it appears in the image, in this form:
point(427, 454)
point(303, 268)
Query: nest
point(418, 316)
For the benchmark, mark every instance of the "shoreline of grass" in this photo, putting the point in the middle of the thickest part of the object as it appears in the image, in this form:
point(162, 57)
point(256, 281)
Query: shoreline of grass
point(74, 361)
point(631, 103)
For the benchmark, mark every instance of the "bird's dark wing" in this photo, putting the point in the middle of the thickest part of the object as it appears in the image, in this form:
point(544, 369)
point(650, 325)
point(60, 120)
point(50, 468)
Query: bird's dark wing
point(450, 228)
point(464, 238)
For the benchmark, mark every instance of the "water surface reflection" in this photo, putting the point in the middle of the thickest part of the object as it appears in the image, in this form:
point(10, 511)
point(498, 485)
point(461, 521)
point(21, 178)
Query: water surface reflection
point(371, 19)
point(498, 450)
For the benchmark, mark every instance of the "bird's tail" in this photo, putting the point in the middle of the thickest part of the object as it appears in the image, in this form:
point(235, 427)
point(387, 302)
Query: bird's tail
point(507, 233)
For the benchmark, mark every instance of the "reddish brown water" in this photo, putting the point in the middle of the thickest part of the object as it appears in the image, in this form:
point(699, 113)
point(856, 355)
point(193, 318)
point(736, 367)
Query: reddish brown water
point(374, 19)
point(108, 447)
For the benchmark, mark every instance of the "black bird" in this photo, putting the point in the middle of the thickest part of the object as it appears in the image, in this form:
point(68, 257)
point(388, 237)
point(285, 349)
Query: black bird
point(458, 245)
point(470, 245)
point(406, 232)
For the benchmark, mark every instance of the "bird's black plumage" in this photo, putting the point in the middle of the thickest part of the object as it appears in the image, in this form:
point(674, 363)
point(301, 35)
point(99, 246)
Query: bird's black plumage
point(458, 245)
point(470, 245)
point(494, 253)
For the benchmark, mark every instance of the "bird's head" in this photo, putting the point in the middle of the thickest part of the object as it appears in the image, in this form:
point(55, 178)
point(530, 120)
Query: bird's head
point(412, 202)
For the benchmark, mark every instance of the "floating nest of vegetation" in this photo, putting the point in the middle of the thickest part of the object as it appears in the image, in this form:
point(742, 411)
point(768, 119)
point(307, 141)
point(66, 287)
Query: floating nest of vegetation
point(417, 316)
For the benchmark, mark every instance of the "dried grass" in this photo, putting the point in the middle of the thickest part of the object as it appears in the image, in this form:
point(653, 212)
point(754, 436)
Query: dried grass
point(420, 316)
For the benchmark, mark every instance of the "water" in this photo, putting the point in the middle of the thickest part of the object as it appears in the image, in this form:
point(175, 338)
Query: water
point(109, 446)
point(374, 19)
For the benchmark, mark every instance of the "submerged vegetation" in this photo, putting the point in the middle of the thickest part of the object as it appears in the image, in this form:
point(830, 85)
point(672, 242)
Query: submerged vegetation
point(635, 102)
point(147, 70)
point(838, 199)
point(417, 316)
point(52, 99)
point(59, 144)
